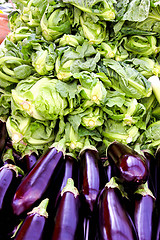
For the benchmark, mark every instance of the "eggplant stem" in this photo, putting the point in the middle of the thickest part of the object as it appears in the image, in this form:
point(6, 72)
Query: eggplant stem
point(70, 188)
point(41, 209)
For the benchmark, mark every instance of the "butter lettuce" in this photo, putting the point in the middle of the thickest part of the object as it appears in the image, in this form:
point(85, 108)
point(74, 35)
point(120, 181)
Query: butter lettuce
point(39, 99)
point(28, 135)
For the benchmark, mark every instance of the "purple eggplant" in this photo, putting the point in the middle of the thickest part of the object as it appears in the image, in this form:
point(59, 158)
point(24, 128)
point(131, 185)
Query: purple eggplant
point(68, 214)
point(8, 182)
point(10, 177)
point(153, 167)
point(127, 164)
point(33, 226)
point(113, 222)
point(89, 176)
point(71, 171)
point(90, 184)
point(36, 182)
point(144, 212)
point(158, 230)
point(28, 161)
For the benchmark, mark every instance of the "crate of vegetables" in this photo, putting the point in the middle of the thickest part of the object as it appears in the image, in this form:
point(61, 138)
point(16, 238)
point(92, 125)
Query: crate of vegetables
point(80, 120)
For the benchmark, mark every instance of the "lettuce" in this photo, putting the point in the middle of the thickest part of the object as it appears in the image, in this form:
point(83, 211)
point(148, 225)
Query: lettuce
point(126, 79)
point(103, 9)
point(39, 99)
point(74, 72)
point(30, 135)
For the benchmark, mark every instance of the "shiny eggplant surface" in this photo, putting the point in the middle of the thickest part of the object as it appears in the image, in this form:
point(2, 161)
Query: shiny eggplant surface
point(128, 164)
point(90, 178)
point(67, 216)
point(36, 181)
point(113, 221)
point(33, 225)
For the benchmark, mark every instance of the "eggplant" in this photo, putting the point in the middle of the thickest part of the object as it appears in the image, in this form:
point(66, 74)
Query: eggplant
point(33, 226)
point(68, 214)
point(10, 177)
point(90, 170)
point(113, 222)
point(152, 173)
point(144, 212)
point(28, 161)
point(36, 182)
point(158, 230)
point(8, 182)
point(89, 177)
point(127, 164)
point(71, 170)
point(107, 169)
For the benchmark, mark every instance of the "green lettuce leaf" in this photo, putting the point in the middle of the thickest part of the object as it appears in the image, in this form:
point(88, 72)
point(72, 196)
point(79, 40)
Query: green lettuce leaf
point(39, 99)
point(102, 8)
point(126, 79)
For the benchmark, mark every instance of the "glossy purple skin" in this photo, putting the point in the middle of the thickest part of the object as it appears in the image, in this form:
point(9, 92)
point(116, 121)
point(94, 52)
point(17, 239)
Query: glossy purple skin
point(153, 167)
point(6, 178)
point(144, 207)
point(35, 183)
point(158, 230)
point(71, 171)
point(29, 161)
point(129, 165)
point(32, 228)
point(67, 218)
point(90, 177)
point(113, 221)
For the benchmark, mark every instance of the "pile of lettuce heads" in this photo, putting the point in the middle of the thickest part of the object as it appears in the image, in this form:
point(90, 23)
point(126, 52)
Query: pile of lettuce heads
point(75, 72)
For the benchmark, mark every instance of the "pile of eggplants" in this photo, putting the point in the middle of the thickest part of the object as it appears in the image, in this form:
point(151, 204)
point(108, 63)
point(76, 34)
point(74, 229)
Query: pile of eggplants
point(56, 196)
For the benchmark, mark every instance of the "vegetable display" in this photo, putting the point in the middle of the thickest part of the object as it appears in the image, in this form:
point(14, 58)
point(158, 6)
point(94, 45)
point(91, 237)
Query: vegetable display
point(80, 70)
point(79, 101)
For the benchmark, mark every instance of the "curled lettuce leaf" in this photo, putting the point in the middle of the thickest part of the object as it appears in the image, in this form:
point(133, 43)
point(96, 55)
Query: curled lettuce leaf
point(146, 66)
point(93, 30)
point(150, 25)
point(115, 130)
point(142, 45)
point(56, 23)
point(137, 10)
point(95, 95)
point(126, 79)
point(102, 8)
point(72, 60)
point(71, 40)
point(27, 133)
